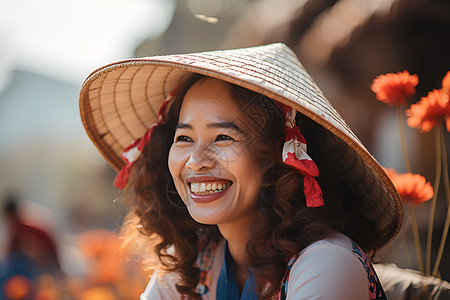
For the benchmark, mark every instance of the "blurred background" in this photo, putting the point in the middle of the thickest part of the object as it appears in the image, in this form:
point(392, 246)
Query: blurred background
point(53, 181)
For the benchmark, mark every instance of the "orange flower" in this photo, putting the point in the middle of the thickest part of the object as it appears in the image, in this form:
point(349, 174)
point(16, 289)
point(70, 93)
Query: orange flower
point(429, 112)
point(393, 88)
point(412, 188)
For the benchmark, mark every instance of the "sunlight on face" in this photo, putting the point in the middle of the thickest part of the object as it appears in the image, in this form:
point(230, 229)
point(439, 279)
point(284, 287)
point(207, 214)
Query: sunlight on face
point(210, 160)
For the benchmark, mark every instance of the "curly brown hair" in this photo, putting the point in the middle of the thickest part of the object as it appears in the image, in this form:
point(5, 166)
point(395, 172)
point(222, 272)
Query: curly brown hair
point(284, 226)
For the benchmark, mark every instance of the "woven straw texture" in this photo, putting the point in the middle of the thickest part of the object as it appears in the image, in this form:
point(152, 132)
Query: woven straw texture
point(118, 102)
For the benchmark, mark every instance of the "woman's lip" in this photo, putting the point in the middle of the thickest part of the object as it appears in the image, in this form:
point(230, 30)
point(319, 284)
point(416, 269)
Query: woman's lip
point(205, 179)
point(207, 198)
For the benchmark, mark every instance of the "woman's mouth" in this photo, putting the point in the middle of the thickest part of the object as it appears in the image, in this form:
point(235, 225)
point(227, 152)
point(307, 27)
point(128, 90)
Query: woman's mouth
point(209, 188)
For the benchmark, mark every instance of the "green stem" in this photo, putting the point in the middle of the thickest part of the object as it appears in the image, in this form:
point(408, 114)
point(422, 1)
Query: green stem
point(447, 218)
point(416, 237)
point(445, 164)
point(403, 139)
point(415, 230)
point(403, 240)
point(437, 180)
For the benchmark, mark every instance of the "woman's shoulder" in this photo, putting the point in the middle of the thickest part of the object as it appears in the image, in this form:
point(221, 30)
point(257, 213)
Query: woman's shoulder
point(336, 242)
point(332, 254)
point(329, 269)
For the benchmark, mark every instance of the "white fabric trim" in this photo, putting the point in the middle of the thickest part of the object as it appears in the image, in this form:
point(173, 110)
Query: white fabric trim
point(297, 148)
point(132, 154)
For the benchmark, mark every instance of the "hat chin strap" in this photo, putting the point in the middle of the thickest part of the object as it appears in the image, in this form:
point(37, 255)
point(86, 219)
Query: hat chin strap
point(294, 154)
point(133, 151)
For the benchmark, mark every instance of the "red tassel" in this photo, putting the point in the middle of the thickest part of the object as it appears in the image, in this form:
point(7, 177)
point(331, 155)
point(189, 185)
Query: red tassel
point(146, 138)
point(122, 177)
point(312, 191)
point(304, 166)
point(307, 167)
point(311, 188)
point(294, 132)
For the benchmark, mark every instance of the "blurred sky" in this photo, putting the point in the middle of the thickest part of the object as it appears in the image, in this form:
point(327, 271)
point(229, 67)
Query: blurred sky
point(67, 39)
point(64, 41)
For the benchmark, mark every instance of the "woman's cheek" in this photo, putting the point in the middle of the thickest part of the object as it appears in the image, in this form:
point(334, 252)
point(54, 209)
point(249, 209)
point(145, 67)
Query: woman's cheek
point(226, 155)
point(176, 162)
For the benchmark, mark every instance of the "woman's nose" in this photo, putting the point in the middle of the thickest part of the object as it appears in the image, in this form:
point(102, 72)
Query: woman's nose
point(201, 158)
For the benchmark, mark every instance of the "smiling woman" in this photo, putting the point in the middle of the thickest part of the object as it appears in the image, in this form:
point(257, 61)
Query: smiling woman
point(212, 149)
point(248, 183)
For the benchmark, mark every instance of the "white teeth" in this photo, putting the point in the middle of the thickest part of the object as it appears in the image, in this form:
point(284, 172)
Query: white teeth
point(204, 188)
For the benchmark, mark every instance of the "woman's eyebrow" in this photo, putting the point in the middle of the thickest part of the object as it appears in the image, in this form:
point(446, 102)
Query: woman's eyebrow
point(183, 126)
point(226, 125)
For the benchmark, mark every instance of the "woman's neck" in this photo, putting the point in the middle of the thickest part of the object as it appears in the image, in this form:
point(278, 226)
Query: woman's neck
point(237, 242)
point(236, 234)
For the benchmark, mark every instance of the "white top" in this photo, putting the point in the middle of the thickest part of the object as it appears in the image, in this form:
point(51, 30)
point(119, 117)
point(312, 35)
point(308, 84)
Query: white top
point(326, 269)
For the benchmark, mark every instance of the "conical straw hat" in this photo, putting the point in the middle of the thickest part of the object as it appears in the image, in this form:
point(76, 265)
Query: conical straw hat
point(118, 103)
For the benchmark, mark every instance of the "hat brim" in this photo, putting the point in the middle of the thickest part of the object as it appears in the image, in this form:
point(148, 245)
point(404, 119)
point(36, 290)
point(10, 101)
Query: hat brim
point(118, 103)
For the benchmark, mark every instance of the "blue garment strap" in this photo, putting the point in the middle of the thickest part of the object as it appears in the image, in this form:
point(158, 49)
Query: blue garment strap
point(227, 287)
point(376, 291)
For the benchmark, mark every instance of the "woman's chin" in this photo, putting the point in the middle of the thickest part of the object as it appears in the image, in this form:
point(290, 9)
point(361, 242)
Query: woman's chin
point(208, 215)
point(202, 219)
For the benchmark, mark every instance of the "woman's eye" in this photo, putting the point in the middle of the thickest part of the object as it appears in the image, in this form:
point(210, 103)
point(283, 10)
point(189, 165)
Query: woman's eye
point(223, 137)
point(183, 138)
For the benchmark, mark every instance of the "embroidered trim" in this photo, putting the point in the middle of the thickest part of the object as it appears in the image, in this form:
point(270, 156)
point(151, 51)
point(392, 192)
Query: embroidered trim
point(376, 291)
point(204, 262)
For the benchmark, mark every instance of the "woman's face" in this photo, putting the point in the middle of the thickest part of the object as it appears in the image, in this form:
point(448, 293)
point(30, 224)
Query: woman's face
point(210, 160)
